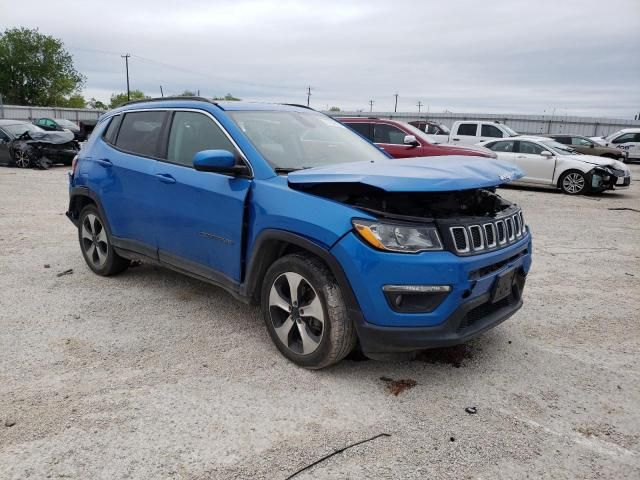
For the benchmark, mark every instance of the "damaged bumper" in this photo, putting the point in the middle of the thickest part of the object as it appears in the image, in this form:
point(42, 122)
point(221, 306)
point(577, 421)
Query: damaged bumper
point(483, 291)
point(608, 178)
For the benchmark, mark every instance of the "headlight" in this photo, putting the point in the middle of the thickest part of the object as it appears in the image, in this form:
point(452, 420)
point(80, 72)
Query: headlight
point(398, 237)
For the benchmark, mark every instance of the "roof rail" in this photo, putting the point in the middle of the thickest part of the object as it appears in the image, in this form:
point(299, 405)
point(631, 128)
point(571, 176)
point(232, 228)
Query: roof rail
point(160, 99)
point(297, 105)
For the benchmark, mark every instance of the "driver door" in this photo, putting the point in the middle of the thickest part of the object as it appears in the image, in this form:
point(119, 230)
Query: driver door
point(537, 168)
point(391, 139)
point(5, 158)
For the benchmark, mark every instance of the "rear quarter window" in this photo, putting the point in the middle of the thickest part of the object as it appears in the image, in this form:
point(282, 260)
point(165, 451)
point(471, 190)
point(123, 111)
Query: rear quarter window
point(140, 133)
point(112, 130)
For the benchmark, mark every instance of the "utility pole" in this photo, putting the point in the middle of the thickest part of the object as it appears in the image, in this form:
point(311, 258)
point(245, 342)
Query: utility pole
point(395, 108)
point(308, 94)
point(161, 92)
point(371, 102)
point(419, 106)
point(126, 62)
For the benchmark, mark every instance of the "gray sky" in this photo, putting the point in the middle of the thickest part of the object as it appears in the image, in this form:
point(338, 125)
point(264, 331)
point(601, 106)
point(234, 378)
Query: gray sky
point(531, 56)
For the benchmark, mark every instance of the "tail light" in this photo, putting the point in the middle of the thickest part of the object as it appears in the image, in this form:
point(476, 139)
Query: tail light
point(74, 164)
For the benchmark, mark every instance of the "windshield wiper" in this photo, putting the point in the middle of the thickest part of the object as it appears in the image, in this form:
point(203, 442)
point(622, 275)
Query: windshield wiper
point(288, 169)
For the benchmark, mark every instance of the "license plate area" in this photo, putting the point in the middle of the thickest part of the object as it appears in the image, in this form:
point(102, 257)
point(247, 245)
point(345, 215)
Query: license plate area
point(503, 285)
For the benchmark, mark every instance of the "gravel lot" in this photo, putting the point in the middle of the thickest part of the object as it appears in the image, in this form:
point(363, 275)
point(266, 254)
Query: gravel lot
point(154, 375)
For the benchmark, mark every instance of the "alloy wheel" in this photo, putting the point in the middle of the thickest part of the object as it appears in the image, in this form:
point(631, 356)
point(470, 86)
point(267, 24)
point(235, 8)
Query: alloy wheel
point(94, 240)
point(296, 313)
point(22, 159)
point(573, 183)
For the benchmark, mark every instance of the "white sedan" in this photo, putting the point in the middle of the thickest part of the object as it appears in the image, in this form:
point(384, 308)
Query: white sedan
point(547, 163)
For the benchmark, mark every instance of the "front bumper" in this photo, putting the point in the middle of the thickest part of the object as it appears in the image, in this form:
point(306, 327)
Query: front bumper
point(466, 312)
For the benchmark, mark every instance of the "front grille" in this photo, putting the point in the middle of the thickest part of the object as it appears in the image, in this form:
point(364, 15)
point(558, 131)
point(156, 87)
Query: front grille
point(499, 233)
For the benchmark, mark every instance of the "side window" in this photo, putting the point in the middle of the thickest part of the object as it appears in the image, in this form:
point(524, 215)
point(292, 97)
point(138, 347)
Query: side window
point(491, 131)
point(506, 146)
point(4, 137)
point(41, 121)
point(384, 133)
point(140, 133)
point(191, 133)
point(579, 141)
point(530, 148)
point(112, 130)
point(468, 129)
point(627, 137)
point(563, 140)
point(364, 129)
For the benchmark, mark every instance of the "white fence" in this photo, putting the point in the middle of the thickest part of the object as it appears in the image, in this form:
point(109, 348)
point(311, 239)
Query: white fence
point(531, 124)
point(17, 112)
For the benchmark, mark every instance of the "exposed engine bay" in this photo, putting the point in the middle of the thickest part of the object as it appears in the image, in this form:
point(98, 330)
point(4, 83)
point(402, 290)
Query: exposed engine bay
point(414, 206)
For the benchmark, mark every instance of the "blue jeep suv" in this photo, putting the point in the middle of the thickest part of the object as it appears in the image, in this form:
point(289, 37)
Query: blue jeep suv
point(285, 207)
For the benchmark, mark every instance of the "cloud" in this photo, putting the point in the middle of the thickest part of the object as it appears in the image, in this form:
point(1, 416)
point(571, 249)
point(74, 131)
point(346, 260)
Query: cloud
point(501, 56)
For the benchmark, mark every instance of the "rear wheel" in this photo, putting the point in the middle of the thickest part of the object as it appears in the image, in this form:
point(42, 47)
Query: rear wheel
point(95, 244)
point(573, 182)
point(305, 313)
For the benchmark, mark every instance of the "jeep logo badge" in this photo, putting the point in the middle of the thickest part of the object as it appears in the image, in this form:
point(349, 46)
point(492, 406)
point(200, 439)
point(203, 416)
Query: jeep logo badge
point(505, 177)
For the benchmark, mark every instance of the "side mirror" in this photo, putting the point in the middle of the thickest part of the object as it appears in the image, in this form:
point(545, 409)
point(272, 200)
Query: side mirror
point(411, 140)
point(546, 154)
point(218, 161)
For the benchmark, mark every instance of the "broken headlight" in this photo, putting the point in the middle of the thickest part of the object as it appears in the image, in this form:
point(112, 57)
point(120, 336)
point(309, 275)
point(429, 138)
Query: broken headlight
point(398, 237)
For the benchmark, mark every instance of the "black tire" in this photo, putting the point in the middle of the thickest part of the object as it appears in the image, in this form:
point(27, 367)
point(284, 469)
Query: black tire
point(338, 336)
point(97, 248)
point(573, 182)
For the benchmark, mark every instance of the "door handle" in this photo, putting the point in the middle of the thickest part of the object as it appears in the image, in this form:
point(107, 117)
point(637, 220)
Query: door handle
point(456, 139)
point(165, 178)
point(521, 156)
point(105, 162)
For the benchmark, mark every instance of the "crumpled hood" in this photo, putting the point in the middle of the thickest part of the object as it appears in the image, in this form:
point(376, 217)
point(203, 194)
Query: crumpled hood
point(422, 174)
point(56, 138)
point(604, 161)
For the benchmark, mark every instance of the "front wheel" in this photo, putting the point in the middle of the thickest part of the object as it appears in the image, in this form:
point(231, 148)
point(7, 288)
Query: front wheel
point(573, 183)
point(95, 244)
point(305, 313)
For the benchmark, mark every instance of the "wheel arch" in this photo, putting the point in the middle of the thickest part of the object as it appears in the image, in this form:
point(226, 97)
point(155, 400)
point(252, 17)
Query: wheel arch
point(80, 197)
point(272, 244)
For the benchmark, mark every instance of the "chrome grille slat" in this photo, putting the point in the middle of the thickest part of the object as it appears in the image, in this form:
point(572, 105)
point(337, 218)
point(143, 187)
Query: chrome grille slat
point(496, 234)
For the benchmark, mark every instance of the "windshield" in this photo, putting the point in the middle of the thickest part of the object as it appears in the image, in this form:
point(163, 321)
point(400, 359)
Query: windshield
point(66, 123)
point(17, 129)
point(295, 140)
point(510, 131)
point(444, 128)
point(559, 147)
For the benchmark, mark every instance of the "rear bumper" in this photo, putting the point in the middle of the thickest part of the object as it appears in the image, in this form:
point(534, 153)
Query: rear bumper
point(470, 319)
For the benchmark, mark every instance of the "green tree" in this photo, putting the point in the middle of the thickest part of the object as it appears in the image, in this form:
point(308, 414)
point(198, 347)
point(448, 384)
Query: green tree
point(97, 104)
point(35, 69)
point(75, 101)
point(228, 97)
point(334, 109)
point(187, 93)
point(118, 99)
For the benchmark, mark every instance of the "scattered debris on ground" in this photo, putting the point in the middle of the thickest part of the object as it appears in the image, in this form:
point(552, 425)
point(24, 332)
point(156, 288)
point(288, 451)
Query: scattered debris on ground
point(624, 208)
point(471, 410)
point(66, 272)
point(396, 387)
point(46, 265)
point(335, 452)
point(9, 423)
point(450, 355)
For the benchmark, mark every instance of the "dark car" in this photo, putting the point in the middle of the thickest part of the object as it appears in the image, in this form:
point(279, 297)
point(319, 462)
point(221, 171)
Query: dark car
point(401, 140)
point(26, 145)
point(59, 125)
point(589, 147)
point(431, 128)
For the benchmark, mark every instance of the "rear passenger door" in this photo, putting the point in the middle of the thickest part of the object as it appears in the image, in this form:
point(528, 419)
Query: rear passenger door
point(123, 164)
point(199, 214)
point(466, 134)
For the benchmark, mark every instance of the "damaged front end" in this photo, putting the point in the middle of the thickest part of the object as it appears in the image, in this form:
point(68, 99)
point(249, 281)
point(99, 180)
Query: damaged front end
point(603, 178)
point(42, 149)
